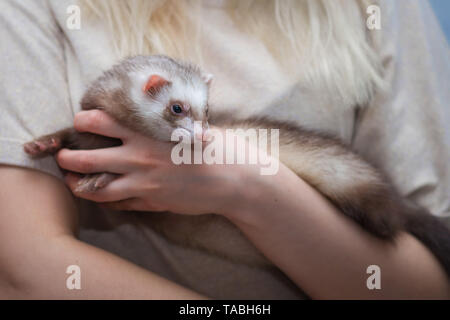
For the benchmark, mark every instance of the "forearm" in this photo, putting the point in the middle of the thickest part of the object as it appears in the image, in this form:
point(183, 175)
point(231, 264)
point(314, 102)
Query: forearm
point(40, 273)
point(38, 220)
point(327, 254)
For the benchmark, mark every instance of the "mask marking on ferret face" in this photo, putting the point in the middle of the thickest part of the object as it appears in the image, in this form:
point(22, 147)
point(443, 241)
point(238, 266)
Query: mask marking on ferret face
point(176, 113)
point(193, 94)
point(177, 100)
point(178, 108)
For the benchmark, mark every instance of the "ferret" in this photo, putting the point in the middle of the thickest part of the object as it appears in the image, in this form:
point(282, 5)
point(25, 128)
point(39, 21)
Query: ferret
point(156, 95)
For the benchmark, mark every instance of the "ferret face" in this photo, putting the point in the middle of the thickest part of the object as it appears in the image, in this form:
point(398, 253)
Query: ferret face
point(167, 103)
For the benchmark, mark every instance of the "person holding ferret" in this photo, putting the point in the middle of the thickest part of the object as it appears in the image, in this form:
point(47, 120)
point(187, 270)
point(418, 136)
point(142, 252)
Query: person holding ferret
point(312, 65)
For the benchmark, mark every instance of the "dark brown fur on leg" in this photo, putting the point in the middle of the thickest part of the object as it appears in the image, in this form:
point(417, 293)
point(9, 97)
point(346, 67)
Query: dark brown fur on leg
point(72, 139)
point(67, 138)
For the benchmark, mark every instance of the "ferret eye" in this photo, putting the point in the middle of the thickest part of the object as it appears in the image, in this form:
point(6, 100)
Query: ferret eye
point(177, 109)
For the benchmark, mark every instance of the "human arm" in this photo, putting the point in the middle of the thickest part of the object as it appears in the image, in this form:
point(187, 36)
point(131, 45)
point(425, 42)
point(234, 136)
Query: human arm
point(327, 254)
point(323, 252)
point(38, 242)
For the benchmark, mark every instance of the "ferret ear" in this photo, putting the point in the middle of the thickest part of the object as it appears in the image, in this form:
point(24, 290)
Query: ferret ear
point(154, 84)
point(208, 78)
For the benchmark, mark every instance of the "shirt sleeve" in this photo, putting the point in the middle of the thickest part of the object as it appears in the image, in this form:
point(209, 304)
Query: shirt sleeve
point(34, 98)
point(404, 130)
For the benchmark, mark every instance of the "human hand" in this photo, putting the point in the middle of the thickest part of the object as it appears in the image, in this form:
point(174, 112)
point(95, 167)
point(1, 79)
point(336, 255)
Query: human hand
point(148, 179)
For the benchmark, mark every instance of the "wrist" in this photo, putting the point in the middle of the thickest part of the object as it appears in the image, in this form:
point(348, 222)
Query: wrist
point(256, 195)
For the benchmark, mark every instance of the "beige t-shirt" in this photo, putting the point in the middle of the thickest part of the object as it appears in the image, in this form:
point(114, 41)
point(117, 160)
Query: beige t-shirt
point(45, 67)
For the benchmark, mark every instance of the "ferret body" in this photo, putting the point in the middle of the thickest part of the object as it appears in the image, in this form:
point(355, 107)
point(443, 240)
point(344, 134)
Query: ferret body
point(156, 95)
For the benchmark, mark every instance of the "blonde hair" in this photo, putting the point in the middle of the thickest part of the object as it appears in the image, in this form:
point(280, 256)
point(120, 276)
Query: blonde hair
point(328, 38)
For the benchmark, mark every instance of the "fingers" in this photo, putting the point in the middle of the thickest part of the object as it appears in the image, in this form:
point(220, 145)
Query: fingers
point(99, 122)
point(125, 205)
point(116, 195)
point(132, 204)
point(91, 161)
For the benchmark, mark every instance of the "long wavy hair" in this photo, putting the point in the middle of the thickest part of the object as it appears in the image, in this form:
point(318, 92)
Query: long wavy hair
point(328, 38)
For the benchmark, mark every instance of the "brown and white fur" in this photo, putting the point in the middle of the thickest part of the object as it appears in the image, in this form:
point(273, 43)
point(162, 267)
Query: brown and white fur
point(140, 92)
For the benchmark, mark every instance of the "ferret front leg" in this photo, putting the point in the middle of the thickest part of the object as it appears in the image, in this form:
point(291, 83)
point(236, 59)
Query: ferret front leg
point(93, 182)
point(47, 145)
point(67, 138)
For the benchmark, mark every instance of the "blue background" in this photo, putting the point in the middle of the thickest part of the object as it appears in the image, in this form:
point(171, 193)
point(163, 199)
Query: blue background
point(442, 11)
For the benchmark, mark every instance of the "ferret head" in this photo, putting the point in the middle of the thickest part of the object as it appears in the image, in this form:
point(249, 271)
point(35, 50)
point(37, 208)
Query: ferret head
point(168, 95)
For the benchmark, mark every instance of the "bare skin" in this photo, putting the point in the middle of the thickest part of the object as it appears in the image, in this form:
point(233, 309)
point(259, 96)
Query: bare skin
point(323, 252)
point(38, 242)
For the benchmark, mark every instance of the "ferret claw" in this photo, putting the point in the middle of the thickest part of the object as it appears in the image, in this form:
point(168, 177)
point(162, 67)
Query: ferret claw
point(42, 147)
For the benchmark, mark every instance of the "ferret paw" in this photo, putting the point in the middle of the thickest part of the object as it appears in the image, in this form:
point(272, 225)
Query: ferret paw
point(43, 146)
point(94, 182)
